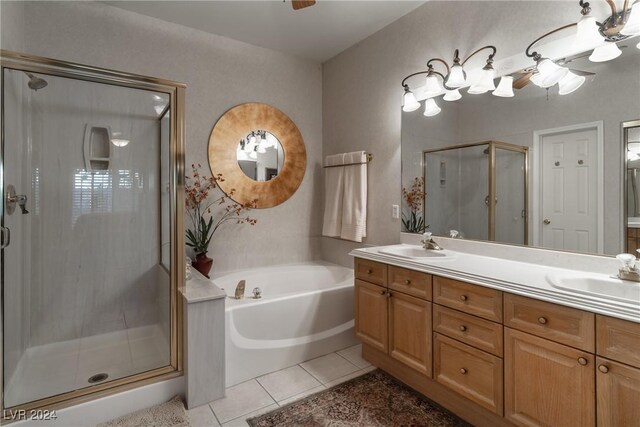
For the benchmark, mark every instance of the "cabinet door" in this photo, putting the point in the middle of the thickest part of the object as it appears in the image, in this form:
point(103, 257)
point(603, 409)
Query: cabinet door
point(546, 383)
point(410, 331)
point(618, 388)
point(372, 315)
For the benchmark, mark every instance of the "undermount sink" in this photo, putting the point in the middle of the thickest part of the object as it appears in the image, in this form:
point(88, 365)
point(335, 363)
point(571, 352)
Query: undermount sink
point(415, 252)
point(600, 286)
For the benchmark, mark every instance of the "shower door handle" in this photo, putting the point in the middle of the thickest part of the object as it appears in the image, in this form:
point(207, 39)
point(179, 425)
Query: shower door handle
point(6, 237)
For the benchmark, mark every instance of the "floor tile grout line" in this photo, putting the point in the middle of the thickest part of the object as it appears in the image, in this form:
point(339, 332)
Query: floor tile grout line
point(267, 391)
point(348, 360)
point(214, 414)
point(316, 378)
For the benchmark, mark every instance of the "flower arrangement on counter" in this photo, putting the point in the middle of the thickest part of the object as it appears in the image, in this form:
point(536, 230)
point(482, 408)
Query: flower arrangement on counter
point(208, 215)
point(413, 222)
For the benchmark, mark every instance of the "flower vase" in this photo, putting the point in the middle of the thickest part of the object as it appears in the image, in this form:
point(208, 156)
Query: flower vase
point(203, 264)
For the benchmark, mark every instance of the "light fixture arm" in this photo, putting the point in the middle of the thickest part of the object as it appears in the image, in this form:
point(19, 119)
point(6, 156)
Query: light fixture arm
point(429, 71)
point(439, 60)
point(535, 55)
point(493, 53)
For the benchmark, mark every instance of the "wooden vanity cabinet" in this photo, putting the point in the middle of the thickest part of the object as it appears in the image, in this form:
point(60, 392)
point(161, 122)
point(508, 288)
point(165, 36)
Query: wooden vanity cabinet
point(497, 358)
point(546, 383)
point(371, 315)
point(394, 319)
point(618, 372)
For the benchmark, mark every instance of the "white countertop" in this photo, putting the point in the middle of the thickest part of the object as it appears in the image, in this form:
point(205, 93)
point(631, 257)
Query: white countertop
point(199, 288)
point(517, 277)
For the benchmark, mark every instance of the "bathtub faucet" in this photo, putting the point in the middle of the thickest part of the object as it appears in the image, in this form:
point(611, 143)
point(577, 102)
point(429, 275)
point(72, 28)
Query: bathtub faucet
point(240, 290)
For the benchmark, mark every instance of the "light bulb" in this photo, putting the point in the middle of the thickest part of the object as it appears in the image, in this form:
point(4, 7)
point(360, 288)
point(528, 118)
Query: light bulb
point(252, 138)
point(409, 101)
point(457, 77)
point(570, 83)
point(587, 35)
point(433, 87)
point(118, 142)
point(485, 83)
point(452, 95)
point(550, 72)
point(605, 52)
point(505, 87)
point(431, 108)
point(632, 27)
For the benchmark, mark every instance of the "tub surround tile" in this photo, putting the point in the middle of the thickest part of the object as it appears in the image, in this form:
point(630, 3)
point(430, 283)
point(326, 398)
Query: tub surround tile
point(202, 416)
point(241, 400)
point(330, 367)
point(287, 382)
point(242, 421)
point(354, 355)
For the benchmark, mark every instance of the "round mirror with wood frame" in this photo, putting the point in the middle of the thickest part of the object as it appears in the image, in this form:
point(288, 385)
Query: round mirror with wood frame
point(231, 128)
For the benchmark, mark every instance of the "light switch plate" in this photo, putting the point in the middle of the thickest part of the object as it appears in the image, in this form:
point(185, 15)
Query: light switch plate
point(395, 211)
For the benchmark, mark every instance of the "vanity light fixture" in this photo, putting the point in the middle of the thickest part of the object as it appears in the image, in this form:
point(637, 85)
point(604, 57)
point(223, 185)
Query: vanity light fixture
point(570, 83)
point(605, 52)
point(450, 82)
point(431, 108)
point(632, 26)
point(505, 87)
point(409, 101)
point(118, 140)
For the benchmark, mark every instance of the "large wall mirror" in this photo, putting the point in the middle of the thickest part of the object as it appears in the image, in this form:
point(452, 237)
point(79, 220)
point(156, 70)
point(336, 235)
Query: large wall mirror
point(259, 152)
point(538, 169)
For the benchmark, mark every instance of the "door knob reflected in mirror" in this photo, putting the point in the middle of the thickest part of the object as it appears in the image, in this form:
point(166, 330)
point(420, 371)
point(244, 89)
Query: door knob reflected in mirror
point(12, 199)
point(546, 222)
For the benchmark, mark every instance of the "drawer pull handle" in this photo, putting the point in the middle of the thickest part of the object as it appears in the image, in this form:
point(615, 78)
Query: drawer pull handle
point(407, 282)
point(462, 328)
point(603, 368)
point(463, 371)
point(582, 361)
point(463, 297)
point(542, 320)
point(369, 271)
point(383, 292)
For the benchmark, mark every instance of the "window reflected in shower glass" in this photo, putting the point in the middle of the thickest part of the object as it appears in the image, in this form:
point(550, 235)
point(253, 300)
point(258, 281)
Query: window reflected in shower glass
point(260, 155)
point(87, 274)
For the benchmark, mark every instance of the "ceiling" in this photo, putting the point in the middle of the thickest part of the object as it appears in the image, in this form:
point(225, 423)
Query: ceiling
point(318, 33)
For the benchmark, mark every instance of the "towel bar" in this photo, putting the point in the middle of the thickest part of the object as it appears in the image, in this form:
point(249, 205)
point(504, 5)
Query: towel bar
point(369, 158)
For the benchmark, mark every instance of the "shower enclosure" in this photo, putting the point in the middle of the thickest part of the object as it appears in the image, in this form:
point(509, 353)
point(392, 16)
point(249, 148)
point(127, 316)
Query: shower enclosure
point(480, 190)
point(92, 238)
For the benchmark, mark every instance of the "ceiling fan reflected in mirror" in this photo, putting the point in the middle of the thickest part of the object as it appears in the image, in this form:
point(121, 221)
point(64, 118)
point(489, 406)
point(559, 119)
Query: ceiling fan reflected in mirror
point(301, 4)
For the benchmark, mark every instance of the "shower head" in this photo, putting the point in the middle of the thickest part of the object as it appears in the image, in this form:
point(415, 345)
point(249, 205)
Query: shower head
point(36, 83)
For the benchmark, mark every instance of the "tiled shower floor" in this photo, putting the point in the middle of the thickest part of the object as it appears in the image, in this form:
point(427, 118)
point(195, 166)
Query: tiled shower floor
point(55, 368)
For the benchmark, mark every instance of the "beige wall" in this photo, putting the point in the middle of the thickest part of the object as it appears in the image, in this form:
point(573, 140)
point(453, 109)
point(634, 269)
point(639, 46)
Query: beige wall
point(220, 73)
point(362, 92)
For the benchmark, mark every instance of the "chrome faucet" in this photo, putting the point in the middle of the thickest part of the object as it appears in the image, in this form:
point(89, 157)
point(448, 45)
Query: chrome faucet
point(428, 242)
point(240, 290)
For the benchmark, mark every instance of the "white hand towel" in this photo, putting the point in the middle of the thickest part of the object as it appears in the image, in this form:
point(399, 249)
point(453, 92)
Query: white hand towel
point(333, 196)
point(354, 204)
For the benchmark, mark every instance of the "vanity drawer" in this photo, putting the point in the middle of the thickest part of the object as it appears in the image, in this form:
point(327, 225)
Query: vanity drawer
point(471, 330)
point(410, 282)
point(469, 372)
point(558, 323)
point(618, 340)
point(371, 271)
point(472, 299)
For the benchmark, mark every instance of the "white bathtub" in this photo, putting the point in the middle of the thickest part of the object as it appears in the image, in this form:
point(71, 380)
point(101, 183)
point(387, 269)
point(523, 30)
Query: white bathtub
point(306, 311)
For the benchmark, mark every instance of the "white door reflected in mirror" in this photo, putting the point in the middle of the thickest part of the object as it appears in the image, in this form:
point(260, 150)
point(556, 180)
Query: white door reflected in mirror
point(260, 155)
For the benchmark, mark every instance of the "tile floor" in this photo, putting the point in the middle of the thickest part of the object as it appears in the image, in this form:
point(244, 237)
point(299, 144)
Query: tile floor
point(60, 367)
point(268, 392)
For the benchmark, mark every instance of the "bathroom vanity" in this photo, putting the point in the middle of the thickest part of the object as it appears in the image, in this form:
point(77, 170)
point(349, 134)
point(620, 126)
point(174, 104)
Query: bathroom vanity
point(495, 341)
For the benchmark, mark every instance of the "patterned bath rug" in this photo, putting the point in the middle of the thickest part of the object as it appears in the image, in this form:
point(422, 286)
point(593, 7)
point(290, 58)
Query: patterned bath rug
point(372, 400)
point(169, 414)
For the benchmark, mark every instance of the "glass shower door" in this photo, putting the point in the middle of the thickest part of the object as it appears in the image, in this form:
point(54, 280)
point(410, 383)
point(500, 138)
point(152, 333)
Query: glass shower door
point(511, 203)
point(86, 288)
